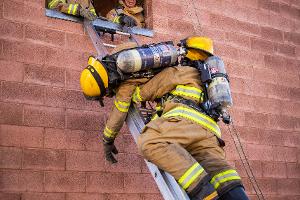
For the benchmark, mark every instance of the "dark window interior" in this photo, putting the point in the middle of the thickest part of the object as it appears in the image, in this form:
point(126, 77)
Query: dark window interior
point(104, 6)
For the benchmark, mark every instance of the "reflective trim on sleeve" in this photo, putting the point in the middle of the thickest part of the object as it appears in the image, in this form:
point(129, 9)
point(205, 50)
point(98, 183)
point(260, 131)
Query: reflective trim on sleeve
point(93, 11)
point(75, 9)
point(72, 9)
point(193, 115)
point(223, 177)
point(117, 20)
point(188, 91)
point(109, 133)
point(154, 117)
point(190, 175)
point(122, 106)
point(52, 4)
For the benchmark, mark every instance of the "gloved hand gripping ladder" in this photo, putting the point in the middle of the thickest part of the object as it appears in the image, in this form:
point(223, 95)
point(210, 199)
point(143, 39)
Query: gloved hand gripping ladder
point(167, 185)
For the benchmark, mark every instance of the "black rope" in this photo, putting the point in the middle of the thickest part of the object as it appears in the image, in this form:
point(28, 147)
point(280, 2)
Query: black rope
point(245, 162)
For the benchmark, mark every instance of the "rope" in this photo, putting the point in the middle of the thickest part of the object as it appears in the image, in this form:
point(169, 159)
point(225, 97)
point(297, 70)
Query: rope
point(195, 11)
point(238, 145)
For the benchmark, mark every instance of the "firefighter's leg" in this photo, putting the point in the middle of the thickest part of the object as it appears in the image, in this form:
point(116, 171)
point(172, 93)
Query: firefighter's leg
point(237, 193)
point(224, 178)
point(163, 143)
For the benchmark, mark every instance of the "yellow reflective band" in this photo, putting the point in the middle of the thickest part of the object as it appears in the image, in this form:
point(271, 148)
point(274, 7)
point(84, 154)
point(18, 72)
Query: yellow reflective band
point(122, 106)
point(211, 196)
point(231, 178)
point(223, 177)
point(75, 9)
point(117, 20)
point(54, 3)
point(137, 95)
point(193, 115)
point(109, 133)
point(93, 11)
point(154, 117)
point(158, 108)
point(188, 91)
point(70, 8)
point(190, 175)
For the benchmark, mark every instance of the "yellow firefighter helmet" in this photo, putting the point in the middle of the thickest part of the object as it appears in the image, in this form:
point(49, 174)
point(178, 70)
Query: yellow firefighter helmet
point(94, 79)
point(198, 48)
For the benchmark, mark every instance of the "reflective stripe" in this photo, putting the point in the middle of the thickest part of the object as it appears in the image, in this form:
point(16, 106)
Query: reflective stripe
point(75, 9)
point(53, 4)
point(211, 196)
point(200, 118)
point(188, 91)
point(136, 97)
point(190, 175)
point(122, 106)
point(117, 20)
point(93, 11)
point(72, 9)
point(109, 133)
point(223, 177)
point(154, 117)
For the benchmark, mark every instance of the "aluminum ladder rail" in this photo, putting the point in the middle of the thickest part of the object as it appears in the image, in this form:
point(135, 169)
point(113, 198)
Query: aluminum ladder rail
point(166, 183)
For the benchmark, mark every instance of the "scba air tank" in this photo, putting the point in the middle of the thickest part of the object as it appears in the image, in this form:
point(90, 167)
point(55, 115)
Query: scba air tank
point(218, 89)
point(147, 57)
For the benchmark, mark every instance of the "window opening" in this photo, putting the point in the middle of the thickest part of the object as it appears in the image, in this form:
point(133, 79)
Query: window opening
point(66, 9)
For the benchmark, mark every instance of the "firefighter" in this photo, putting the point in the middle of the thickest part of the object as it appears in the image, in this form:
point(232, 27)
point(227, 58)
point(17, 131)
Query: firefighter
point(91, 87)
point(185, 141)
point(127, 13)
point(82, 8)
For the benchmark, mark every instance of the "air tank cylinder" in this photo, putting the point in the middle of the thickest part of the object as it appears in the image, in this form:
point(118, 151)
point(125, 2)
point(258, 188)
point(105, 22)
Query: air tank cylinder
point(218, 89)
point(147, 57)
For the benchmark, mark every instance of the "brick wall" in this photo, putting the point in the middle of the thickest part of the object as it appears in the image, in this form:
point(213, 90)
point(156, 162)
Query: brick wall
point(48, 132)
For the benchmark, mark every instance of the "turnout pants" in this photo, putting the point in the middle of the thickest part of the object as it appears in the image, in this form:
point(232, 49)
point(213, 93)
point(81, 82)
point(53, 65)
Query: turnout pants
point(188, 152)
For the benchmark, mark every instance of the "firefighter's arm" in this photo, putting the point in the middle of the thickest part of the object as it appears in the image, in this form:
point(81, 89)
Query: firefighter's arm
point(73, 9)
point(159, 85)
point(116, 119)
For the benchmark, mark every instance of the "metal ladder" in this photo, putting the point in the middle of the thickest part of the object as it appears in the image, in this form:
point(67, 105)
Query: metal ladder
point(167, 185)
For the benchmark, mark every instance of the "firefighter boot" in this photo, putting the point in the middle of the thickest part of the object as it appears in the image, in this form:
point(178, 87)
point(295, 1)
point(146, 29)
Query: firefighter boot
point(237, 193)
point(204, 190)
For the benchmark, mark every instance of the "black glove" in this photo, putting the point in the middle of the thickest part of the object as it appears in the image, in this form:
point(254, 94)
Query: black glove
point(127, 21)
point(109, 150)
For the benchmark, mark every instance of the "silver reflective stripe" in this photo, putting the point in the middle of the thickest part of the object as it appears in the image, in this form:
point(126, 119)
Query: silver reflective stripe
point(191, 177)
point(197, 117)
point(223, 177)
point(71, 8)
point(196, 93)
